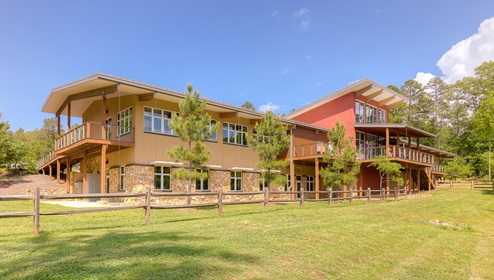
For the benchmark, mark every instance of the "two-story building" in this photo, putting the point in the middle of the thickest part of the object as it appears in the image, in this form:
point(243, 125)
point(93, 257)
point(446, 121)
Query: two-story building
point(122, 143)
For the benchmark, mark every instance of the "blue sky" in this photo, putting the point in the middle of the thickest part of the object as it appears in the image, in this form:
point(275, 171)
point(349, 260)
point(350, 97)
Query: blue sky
point(277, 53)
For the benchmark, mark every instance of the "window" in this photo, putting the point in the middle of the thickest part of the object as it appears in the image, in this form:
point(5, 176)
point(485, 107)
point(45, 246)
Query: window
point(359, 112)
point(107, 181)
point(262, 183)
point(288, 183)
point(371, 114)
point(236, 181)
point(234, 134)
point(157, 121)
point(382, 116)
point(214, 134)
point(124, 122)
point(162, 178)
point(202, 184)
point(360, 141)
point(108, 128)
point(310, 183)
point(122, 178)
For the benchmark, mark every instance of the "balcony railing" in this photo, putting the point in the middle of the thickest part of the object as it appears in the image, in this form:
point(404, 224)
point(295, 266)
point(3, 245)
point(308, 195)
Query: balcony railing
point(46, 158)
point(438, 168)
point(319, 148)
point(95, 131)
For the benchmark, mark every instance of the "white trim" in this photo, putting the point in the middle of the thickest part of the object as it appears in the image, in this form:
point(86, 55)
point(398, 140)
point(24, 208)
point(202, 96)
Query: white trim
point(160, 162)
point(211, 166)
point(242, 168)
point(272, 171)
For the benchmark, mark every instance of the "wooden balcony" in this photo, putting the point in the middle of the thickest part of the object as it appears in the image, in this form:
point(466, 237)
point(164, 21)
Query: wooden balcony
point(398, 153)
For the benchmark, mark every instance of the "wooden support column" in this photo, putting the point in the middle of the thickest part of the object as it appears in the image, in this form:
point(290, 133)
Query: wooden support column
point(67, 175)
point(292, 178)
point(360, 181)
point(429, 180)
point(68, 116)
point(58, 125)
point(50, 172)
point(387, 142)
point(103, 117)
point(317, 178)
point(84, 172)
point(410, 183)
point(58, 171)
point(397, 151)
point(418, 180)
point(103, 169)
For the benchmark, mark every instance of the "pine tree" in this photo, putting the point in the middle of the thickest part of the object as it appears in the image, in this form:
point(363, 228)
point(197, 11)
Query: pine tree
point(342, 168)
point(386, 167)
point(192, 126)
point(269, 140)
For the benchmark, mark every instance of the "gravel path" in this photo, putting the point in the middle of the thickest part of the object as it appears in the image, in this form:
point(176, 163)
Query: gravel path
point(14, 185)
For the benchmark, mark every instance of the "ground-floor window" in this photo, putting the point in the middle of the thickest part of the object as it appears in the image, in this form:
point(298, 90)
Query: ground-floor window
point(162, 178)
point(122, 178)
point(262, 183)
point(202, 184)
point(236, 181)
point(310, 183)
point(288, 183)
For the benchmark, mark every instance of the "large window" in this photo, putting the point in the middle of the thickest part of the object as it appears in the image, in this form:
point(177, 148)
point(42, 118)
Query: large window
point(262, 183)
point(157, 121)
point(162, 178)
point(382, 116)
point(124, 121)
point(214, 134)
point(288, 184)
point(310, 183)
point(359, 112)
point(236, 181)
point(370, 114)
point(122, 178)
point(360, 141)
point(202, 184)
point(234, 134)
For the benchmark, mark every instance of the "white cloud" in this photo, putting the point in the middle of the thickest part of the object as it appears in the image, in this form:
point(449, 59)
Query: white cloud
point(269, 107)
point(462, 59)
point(284, 72)
point(304, 15)
point(308, 57)
point(276, 15)
point(423, 78)
point(319, 84)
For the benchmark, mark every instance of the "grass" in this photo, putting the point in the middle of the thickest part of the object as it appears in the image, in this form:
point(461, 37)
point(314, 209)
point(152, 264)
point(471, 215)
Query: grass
point(380, 240)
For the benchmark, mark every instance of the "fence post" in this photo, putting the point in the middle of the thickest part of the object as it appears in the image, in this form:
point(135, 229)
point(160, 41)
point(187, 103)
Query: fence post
point(405, 191)
point(368, 194)
point(396, 194)
point(351, 195)
point(450, 184)
point(36, 212)
point(471, 185)
point(148, 205)
point(382, 194)
point(220, 201)
point(330, 196)
point(266, 198)
point(301, 197)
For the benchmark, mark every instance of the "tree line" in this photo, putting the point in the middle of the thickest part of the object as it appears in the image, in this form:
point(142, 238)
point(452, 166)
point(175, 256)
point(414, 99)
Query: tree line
point(460, 114)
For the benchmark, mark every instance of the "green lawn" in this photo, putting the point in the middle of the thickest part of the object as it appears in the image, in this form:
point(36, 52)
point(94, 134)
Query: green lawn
point(380, 240)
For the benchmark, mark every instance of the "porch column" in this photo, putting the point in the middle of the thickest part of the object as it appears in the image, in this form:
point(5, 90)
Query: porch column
point(419, 155)
point(429, 181)
point(387, 142)
point(103, 117)
point(409, 179)
point(68, 116)
point(292, 163)
point(58, 171)
point(67, 176)
point(84, 172)
point(58, 125)
point(360, 181)
point(397, 149)
point(317, 178)
point(103, 169)
point(292, 178)
point(50, 172)
point(418, 180)
point(409, 148)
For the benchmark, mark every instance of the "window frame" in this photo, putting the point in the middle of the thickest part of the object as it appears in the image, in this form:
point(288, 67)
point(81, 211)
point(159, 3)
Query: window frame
point(124, 122)
point(202, 182)
point(163, 116)
point(234, 134)
point(309, 184)
point(235, 181)
point(121, 185)
point(162, 175)
point(359, 106)
point(382, 118)
point(372, 117)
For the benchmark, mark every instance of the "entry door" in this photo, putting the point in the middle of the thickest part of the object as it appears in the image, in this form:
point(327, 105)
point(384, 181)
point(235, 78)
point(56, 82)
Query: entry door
point(298, 184)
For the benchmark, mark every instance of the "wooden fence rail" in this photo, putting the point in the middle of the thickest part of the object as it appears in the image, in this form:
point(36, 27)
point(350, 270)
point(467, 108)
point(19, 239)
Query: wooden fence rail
point(147, 206)
point(480, 184)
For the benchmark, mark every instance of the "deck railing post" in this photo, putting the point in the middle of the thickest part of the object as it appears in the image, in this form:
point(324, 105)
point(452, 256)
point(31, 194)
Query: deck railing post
point(148, 205)
point(36, 211)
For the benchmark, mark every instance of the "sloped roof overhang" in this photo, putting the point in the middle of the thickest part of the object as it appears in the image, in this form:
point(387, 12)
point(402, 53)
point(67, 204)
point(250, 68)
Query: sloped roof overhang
point(401, 129)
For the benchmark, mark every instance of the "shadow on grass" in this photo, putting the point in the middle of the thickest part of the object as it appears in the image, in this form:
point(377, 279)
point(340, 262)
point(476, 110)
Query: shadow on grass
point(488, 192)
point(156, 255)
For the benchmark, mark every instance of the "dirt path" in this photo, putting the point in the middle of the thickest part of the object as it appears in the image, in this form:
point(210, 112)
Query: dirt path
point(15, 185)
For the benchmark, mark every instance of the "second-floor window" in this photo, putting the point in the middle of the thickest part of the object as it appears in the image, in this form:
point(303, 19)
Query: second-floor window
point(124, 122)
point(359, 112)
point(382, 116)
point(157, 121)
point(234, 134)
point(370, 114)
